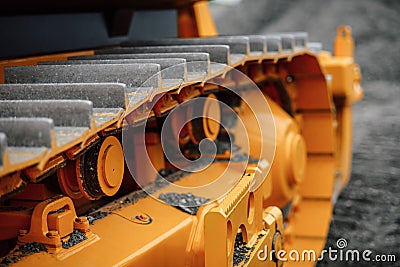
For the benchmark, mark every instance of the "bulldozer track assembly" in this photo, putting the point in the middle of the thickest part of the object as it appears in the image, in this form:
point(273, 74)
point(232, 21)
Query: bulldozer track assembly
point(87, 176)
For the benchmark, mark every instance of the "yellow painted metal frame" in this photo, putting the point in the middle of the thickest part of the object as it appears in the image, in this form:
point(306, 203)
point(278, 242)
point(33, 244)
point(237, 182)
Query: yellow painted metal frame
point(323, 91)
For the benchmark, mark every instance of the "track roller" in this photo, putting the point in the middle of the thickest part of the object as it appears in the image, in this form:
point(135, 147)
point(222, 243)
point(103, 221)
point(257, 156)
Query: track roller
point(67, 179)
point(101, 169)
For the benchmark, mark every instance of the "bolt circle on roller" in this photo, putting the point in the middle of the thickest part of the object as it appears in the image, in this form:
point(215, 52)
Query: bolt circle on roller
point(101, 169)
point(208, 125)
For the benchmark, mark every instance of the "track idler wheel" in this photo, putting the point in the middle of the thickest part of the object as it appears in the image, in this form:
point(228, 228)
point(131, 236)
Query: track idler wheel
point(101, 169)
point(208, 125)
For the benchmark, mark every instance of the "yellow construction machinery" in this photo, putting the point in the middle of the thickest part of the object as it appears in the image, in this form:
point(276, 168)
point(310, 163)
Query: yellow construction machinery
point(200, 150)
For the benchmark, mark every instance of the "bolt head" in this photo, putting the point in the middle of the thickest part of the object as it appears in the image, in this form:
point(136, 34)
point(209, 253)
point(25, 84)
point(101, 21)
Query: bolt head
point(81, 219)
point(52, 233)
point(23, 232)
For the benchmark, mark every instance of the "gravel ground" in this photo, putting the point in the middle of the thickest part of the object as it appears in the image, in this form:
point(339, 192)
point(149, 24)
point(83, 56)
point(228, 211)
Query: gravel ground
point(367, 213)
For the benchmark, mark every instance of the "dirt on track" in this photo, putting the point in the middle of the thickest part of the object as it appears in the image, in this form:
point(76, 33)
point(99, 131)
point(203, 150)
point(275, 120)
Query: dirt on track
point(367, 213)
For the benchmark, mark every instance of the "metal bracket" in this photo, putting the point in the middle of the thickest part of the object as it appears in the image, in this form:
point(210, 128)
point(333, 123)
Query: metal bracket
point(241, 211)
point(59, 214)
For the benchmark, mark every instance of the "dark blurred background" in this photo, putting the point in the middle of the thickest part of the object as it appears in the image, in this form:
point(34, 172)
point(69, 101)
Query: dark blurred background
point(367, 213)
